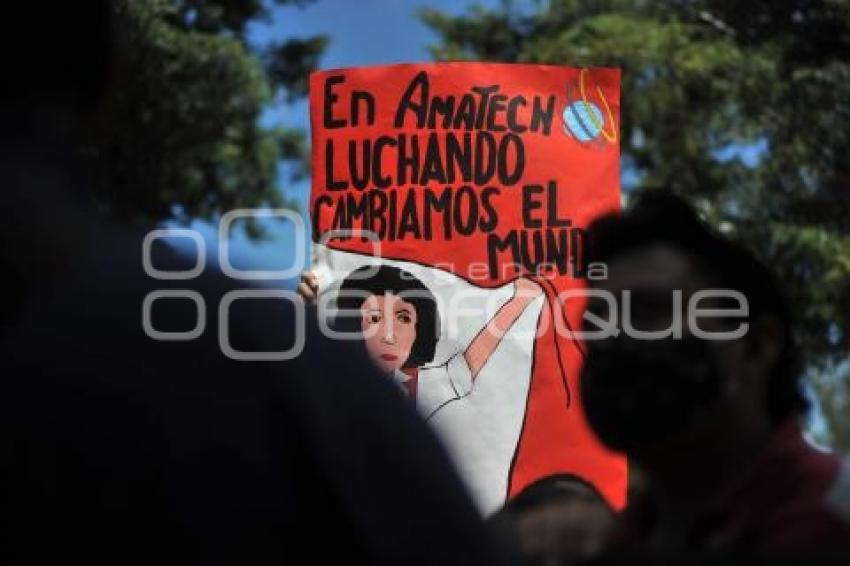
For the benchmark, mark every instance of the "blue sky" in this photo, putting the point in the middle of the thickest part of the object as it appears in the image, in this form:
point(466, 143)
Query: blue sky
point(361, 32)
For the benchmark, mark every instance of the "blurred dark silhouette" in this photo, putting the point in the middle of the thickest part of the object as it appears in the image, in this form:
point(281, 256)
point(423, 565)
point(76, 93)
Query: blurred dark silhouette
point(741, 107)
point(120, 448)
point(712, 422)
point(558, 519)
point(115, 445)
point(167, 99)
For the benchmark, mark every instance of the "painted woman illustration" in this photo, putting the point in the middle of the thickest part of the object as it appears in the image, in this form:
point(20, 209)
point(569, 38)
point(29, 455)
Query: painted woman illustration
point(398, 319)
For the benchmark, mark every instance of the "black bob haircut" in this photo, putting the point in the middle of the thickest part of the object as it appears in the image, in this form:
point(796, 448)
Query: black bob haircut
point(660, 217)
point(379, 279)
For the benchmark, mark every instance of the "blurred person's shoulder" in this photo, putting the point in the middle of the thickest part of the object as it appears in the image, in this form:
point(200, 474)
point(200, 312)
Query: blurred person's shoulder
point(794, 497)
point(812, 490)
point(234, 446)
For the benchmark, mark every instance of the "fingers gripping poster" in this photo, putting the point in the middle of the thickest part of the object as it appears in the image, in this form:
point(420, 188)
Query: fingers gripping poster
point(447, 208)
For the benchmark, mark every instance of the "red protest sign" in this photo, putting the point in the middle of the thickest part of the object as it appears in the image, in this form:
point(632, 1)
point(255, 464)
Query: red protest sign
point(477, 179)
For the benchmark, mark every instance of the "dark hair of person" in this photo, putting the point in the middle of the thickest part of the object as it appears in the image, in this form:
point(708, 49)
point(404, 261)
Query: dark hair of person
point(660, 217)
point(549, 489)
point(378, 280)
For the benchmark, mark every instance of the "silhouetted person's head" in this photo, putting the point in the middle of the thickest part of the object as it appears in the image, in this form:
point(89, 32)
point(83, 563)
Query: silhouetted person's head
point(397, 316)
point(735, 368)
point(555, 518)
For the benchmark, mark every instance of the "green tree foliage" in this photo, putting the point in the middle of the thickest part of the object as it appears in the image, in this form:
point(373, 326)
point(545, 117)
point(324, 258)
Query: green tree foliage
point(702, 78)
point(179, 130)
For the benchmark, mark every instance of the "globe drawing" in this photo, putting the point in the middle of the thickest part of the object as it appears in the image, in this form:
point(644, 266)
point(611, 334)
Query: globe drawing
point(579, 123)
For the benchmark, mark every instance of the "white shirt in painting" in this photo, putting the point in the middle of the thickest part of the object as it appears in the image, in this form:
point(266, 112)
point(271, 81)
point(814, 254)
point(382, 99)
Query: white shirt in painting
point(480, 422)
point(438, 385)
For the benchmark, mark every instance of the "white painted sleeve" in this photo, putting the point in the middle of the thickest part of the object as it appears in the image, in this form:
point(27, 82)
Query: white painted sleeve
point(460, 375)
point(441, 384)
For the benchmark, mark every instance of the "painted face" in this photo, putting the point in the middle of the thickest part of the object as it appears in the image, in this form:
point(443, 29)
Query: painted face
point(389, 329)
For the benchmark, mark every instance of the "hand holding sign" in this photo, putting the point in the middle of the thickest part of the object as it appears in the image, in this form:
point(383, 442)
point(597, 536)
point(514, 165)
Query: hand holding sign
point(308, 287)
